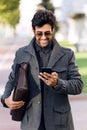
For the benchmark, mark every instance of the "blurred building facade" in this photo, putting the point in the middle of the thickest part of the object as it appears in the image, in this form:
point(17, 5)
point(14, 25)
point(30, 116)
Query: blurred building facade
point(76, 22)
point(72, 17)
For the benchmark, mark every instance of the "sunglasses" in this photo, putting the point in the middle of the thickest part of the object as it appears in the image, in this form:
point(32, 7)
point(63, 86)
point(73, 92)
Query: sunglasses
point(40, 34)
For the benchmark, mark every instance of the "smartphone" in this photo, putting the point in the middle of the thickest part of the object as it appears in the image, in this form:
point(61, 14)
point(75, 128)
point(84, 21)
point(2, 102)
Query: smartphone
point(46, 69)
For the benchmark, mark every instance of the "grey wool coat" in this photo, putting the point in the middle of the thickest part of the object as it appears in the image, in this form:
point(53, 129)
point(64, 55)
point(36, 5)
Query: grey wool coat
point(57, 110)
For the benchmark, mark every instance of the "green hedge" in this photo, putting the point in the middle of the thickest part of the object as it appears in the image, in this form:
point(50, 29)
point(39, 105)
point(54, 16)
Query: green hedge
point(81, 60)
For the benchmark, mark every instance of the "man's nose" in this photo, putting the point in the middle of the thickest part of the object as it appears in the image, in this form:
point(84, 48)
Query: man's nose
point(43, 36)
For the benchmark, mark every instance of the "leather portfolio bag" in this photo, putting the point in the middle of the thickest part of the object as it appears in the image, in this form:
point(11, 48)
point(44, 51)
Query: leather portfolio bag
point(20, 91)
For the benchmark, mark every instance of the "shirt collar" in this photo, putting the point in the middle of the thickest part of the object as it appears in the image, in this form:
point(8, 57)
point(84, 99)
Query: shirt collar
point(45, 49)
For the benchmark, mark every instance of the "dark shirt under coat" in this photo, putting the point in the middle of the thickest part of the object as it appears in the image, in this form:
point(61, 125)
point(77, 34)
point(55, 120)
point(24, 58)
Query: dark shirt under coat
point(43, 56)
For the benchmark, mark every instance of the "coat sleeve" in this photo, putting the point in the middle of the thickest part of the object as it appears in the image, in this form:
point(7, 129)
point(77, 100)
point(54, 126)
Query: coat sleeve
point(74, 84)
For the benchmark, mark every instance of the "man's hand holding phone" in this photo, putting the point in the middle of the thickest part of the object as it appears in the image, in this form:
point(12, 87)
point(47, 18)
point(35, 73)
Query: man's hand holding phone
point(49, 77)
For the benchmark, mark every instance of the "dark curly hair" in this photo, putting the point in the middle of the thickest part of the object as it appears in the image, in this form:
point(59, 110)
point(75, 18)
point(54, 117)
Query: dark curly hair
point(42, 17)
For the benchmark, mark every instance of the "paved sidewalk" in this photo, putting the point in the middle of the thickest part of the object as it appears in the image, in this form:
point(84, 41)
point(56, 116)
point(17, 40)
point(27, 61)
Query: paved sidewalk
point(79, 111)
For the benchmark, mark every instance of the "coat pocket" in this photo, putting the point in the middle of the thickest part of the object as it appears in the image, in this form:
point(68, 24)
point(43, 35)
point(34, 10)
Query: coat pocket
point(62, 72)
point(61, 116)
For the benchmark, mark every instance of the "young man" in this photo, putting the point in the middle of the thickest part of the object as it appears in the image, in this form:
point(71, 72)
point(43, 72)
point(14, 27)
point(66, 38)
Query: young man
point(48, 107)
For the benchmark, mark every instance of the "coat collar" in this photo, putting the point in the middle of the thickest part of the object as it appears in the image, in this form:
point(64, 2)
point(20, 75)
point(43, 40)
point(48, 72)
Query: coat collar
point(57, 52)
point(30, 48)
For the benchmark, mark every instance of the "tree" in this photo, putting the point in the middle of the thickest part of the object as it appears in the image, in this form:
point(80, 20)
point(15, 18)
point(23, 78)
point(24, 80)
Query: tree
point(9, 12)
point(48, 5)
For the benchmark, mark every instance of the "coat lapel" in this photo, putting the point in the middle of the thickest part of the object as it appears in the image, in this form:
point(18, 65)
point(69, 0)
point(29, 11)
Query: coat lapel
point(57, 53)
point(29, 49)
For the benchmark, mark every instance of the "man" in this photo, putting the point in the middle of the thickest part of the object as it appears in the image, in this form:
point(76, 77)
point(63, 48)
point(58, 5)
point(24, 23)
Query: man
point(48, 107)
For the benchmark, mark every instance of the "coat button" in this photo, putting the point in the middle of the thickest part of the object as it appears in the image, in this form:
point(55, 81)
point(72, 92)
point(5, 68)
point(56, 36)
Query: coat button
point(38, 102)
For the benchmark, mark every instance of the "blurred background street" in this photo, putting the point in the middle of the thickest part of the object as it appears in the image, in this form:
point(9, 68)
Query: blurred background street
point(71, 32)
point(7, 52)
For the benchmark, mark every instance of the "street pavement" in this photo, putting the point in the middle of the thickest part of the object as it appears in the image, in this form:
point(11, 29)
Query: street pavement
point(7, 53)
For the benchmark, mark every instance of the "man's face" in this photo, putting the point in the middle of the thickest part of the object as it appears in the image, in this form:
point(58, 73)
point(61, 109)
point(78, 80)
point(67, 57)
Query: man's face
point(43, 35)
